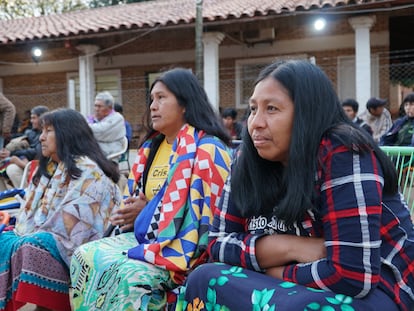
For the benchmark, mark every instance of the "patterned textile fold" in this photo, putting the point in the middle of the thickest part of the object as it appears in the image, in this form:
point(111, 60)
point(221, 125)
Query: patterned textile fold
point(199, 165)
point(35, 271)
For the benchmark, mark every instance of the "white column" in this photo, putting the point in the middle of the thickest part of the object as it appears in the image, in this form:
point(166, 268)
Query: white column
point(71, 94)
point(362, 26)
point(87, 78)
point(211, 41)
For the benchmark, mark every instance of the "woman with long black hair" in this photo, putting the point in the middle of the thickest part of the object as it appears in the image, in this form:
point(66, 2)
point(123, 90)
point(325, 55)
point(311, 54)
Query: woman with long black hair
point(311, 218)
point(68, 203)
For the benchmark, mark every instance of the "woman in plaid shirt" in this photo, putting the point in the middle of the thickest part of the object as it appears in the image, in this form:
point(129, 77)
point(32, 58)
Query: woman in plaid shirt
point(311, 218)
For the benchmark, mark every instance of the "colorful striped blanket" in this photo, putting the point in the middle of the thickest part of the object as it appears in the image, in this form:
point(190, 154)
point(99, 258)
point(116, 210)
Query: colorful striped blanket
point(199, 165)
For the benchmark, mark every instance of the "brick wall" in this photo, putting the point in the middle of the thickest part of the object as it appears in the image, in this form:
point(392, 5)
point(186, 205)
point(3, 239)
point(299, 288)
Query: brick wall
point(50, 89)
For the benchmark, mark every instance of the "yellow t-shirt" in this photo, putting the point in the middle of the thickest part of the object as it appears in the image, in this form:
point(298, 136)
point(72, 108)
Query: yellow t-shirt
point(158, 171)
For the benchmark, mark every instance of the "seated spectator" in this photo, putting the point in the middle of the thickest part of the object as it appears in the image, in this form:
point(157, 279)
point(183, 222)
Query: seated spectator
point(15, 127)
point(311, 217)
point(174, 186)
point(350, 107)
point(123, 160)
point(401, 132)
point(118, 108)
point(7, 115)
point(68, 203)
point(377, 117)
point(108, 126)
point(21, 150)
point(25, 123)
point(234, 128)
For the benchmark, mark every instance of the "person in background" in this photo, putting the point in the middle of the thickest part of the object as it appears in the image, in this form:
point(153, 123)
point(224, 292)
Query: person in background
point(21, 150)
point(332, 235)
point(378, 117)
point(15, 126)
point(68, 203)
point(402, 111)
point(234, 128)
point(108, 126)
point(118, 108)
point(25, 123)
point(402, 131)
point(350, 107)
point(175, 185)
point(7, 115)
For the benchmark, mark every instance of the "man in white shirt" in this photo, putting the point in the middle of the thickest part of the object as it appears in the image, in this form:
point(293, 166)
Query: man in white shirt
point(108, 126)
point(377, 117)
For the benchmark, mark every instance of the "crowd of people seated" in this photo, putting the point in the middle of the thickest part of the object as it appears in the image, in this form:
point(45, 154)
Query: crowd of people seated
point(68, 203)
point(173, 190)
point(20, 150)
point(200, 221)
point(108, 125)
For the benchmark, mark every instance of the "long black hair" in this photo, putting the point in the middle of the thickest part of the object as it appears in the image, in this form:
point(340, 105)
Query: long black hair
point(74, 138)
point(258, 185)
point(192, 96)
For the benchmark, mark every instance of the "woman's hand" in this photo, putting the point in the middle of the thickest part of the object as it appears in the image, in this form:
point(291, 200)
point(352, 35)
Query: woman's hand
point(125, 217)
point(19, 162)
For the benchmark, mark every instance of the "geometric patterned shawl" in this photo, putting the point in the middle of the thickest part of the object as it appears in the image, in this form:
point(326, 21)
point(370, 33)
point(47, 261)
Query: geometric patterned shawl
point(198, 167)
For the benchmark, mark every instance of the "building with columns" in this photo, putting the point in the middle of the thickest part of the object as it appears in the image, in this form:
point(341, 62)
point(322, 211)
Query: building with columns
point(366, 49)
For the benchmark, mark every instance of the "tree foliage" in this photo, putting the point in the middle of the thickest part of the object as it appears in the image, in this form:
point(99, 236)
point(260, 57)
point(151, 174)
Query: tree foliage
point(100, 3)
point(10, 9)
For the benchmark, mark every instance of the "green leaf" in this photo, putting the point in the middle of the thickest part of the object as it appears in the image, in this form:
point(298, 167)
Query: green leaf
point(347, 308)
point(333, 301)
point(313, 306)
point(240, 275)
point(212, 282)
point(235, 269)
point(222, 280)
point(211, 295)
point(344, 298)
point(256, 297)
point(315, 290)
point(267, 295)
point(287, 285)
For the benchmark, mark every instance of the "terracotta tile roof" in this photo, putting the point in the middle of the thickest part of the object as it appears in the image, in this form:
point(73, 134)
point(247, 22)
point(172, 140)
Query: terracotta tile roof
point(150, 14)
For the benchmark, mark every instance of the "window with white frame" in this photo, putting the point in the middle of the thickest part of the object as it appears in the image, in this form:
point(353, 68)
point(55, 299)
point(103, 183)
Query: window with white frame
point(247, 72)
point(104, 81)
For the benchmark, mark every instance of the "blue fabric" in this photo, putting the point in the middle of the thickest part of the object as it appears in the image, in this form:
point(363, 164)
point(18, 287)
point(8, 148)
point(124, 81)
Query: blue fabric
point(8, 200)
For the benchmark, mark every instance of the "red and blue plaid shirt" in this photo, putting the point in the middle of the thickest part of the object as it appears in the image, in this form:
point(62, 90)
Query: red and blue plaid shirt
point(369, 237)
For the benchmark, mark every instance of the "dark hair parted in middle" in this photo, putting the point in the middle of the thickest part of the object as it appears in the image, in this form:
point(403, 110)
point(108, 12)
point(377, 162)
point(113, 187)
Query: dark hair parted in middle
point(192, 96)
point(75, 138)
point(290, 190)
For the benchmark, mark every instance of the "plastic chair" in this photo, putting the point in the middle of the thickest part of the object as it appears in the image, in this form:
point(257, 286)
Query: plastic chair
point(403, 159)
point(123, 163)
point(117, 154)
